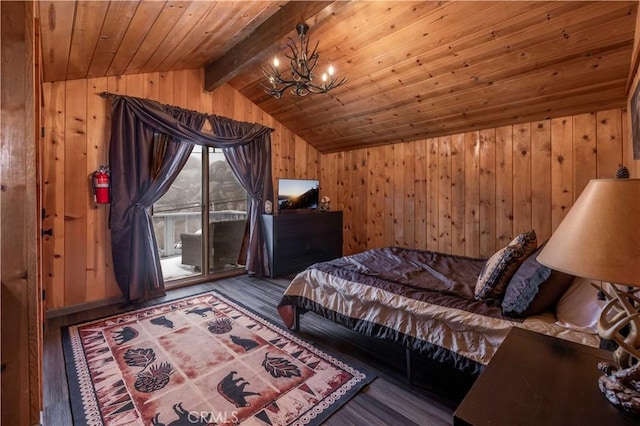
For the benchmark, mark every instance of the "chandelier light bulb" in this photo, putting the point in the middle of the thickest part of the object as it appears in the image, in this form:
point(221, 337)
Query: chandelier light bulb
point(276, 62)
point(324, 77)
point(330, 70)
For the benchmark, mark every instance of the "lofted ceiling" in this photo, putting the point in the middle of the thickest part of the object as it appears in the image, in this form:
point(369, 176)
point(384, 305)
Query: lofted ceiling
point(415, 69)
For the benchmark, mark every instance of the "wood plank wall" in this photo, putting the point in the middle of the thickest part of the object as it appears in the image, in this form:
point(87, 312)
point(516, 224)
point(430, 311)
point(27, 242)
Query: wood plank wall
point(77, 258)
point(470, 193)
point(466, 193)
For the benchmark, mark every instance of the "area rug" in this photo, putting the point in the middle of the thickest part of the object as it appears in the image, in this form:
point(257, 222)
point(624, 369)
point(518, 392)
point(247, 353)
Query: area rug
point(201, 360)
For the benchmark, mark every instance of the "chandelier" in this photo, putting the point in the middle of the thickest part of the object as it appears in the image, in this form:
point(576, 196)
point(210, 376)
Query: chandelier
point(302, 64)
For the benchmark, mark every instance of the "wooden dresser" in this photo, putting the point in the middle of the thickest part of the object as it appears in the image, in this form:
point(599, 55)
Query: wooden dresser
point(296, 240)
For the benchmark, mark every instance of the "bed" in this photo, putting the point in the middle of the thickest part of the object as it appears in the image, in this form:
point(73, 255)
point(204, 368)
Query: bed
point(437, 304)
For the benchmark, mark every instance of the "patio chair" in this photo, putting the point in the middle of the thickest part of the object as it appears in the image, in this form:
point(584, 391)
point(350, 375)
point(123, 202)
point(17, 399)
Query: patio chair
point(227, 239)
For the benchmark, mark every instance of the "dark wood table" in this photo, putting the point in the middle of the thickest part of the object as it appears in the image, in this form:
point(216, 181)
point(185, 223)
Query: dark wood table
point(538, 380)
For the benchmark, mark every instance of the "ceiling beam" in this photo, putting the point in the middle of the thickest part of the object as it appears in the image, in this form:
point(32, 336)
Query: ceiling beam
point(256, 47)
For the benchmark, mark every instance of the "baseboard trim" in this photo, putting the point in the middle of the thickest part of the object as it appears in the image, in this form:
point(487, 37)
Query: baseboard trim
point(66, 310)
point(58, 312)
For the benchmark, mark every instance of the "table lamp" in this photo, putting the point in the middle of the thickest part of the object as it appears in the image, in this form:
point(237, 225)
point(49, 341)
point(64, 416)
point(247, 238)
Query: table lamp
point(600, 239)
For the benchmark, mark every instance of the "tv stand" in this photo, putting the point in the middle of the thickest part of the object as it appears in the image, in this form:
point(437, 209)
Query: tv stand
point(295, 241)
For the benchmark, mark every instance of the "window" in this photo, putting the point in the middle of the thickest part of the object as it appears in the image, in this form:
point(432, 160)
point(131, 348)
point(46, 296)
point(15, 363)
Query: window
point(205, 188)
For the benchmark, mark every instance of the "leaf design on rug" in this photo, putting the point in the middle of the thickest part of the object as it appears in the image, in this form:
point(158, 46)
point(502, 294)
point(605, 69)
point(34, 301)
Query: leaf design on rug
point(139, 357)
point(220, 326)
point(280, 367)
point(156, 378)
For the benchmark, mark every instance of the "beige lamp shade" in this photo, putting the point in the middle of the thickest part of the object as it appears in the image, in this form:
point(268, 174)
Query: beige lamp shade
point(600, 236)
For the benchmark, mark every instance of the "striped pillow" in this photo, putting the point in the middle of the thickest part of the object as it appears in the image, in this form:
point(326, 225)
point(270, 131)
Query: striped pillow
point(497, 272)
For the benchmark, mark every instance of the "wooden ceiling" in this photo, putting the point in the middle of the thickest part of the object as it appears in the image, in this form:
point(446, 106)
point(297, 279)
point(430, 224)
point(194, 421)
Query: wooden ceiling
point(415, 69)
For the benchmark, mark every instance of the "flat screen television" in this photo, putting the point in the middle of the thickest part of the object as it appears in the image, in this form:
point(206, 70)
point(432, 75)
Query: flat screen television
point(298, 194)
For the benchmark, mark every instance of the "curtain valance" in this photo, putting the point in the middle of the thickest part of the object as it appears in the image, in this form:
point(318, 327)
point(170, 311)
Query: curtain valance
point(163, 119)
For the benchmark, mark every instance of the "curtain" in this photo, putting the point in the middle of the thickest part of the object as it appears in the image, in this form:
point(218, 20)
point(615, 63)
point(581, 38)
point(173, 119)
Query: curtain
point(251, 163)
point(139, 177)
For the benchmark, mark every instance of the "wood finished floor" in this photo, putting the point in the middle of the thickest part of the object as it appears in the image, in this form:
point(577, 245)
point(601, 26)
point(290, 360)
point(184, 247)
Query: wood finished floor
point(388, 400)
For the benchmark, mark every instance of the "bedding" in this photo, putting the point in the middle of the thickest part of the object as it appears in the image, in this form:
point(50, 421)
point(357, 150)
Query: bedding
point(425, 301)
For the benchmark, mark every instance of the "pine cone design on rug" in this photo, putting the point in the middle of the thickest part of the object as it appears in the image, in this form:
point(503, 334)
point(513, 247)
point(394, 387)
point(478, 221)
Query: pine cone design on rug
point(185, 418)
point(280, 367)
point(125, 335)
point(220, 326)
point(156, 378)
point(233, 390)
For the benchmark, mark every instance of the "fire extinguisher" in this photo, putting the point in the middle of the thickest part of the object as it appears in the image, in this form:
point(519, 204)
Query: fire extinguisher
point(100, 185)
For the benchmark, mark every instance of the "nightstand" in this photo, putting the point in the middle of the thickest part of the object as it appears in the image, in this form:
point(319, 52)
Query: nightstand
point(536, 380)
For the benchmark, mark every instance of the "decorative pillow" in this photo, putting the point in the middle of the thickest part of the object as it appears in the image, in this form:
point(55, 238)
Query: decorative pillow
point(497, 272)
point(579, 307)
point(534, 288)
point(527, 239)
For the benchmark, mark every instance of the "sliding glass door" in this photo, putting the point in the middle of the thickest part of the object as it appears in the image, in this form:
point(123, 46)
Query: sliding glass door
point(227, 213)
point(205, 188)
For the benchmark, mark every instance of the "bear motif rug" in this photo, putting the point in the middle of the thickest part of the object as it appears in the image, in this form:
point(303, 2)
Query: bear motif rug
point(201, 360)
